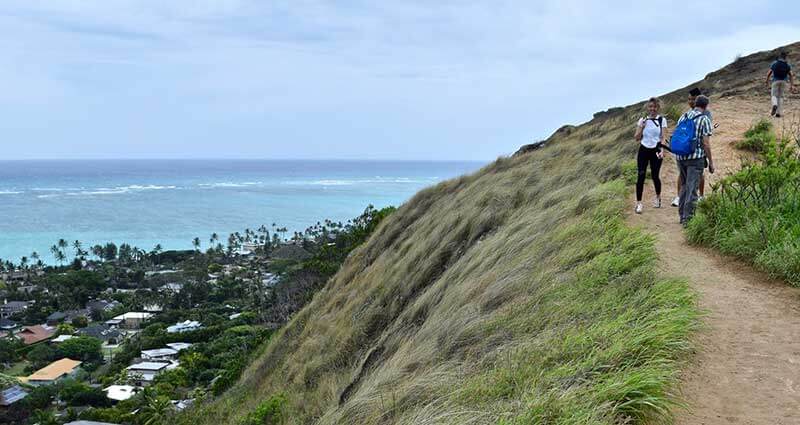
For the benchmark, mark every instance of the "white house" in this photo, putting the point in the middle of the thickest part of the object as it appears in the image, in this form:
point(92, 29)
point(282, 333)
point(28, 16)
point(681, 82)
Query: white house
point(130, 320)
point(159, 354)
point(186, 326)
point(121, 392)
point(145, 372)
point(179, 346)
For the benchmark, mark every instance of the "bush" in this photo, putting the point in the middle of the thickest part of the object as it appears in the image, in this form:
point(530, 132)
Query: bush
point(757, 137)
point(269, 412)
point(755, 213)
point(674, 113)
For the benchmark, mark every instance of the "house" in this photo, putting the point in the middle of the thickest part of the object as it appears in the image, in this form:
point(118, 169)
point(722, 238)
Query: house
point(9, 308)
point(130, 320)
point(8, 325)
point(102, 306)
point(53, 372)
point(159, 354)
point(186, 326)
point(55, 318)
point(30, 288)
point(102, 332)
point(234, 316)
point(179, 346)
point(33, 334)
point(145, 372)
point(171, 287)
point(61, 338)
point(12, 395)
point(121, 392)
point(153, 308)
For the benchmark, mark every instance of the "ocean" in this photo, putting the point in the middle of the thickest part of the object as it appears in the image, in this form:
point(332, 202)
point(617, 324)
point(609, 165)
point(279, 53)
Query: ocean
point(170, 202)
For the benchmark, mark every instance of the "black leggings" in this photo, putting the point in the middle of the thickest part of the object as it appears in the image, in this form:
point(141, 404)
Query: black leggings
point(648, 155)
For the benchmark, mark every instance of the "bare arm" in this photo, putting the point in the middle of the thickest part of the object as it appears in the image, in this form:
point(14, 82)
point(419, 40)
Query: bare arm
point(769, 76)
point(707, 150)
point(639, 131)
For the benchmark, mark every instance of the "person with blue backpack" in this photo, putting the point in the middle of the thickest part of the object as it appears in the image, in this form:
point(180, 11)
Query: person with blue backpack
point(691, 145)
point(778, 78)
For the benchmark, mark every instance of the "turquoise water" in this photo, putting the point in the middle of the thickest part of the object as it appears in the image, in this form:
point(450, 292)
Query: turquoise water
point(170, 202)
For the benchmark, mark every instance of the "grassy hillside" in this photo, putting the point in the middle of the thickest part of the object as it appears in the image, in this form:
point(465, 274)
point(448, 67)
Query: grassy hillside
point(513, 295)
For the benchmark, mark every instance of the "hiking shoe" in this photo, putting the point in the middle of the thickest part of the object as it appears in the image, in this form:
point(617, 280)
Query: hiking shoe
point(774, 110)
point(657, 203)
point(639, 208)
point(777, 115)
point(676, 201)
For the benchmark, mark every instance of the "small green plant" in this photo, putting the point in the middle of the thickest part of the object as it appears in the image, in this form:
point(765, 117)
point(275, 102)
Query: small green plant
point(758, 137)
point(269, 412)
point(629, 172)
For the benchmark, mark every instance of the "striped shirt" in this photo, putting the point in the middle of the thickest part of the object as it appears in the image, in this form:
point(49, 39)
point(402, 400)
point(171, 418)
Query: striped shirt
point(702, 128)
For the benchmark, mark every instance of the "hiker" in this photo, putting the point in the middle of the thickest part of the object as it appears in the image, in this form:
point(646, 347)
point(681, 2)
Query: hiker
point(691, 144)
point(650, 133)
point(693, 93)
point(778, 74)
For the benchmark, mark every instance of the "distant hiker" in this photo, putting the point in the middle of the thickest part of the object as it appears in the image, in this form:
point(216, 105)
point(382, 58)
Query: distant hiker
point(650, 133)
point(691, 144)
point(779, 73)
point(693, 93)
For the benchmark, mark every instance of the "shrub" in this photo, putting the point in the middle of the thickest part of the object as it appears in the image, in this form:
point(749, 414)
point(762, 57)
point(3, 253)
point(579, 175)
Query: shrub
point(268, 412)
point(755, 213)
point(757, 137)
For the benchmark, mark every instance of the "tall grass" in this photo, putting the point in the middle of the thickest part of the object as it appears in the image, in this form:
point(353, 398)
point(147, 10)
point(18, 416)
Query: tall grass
point(513, 295)
point(755, 213)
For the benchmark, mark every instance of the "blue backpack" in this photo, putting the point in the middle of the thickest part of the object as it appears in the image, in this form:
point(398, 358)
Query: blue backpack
point(684, 139)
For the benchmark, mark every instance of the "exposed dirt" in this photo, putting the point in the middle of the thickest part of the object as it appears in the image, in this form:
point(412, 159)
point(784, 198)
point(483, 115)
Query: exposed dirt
point(747, 368)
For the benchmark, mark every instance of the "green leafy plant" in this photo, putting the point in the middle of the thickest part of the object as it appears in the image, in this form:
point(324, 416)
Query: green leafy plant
point(755, 213)
point(758, 137)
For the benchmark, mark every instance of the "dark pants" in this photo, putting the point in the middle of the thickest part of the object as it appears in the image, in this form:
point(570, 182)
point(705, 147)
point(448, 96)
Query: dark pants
point(647, 156)
point(690, 172)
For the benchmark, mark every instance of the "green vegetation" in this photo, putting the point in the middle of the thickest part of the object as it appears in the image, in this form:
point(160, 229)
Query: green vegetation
point(758, 137)
point(755, 213)
point(514, 295)
point(674, 113)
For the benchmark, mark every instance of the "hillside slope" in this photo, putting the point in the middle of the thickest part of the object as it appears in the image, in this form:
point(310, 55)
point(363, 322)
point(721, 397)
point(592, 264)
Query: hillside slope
point(513, 295)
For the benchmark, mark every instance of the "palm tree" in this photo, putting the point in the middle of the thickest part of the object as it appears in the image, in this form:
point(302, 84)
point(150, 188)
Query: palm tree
point(78, 246)
point(97, 251)
point(156, 409)
point(44, 417)
point(63, 244)
point(196, 244)
point(214, 238)
point(58, 254)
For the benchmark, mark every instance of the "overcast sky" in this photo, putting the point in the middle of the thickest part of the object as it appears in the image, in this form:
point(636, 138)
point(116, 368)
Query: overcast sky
point(346, 79)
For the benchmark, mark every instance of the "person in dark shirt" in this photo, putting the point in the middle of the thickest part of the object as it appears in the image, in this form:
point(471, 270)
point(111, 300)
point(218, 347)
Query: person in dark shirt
point(779, 79)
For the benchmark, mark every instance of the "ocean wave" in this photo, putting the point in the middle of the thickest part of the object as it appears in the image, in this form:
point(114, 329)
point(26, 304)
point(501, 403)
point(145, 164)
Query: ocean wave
point(229, 184)
point(10, 192)
point(350, 182)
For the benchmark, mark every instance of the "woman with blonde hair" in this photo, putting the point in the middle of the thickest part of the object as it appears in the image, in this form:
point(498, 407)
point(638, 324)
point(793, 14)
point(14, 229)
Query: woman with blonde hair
point(651, 132)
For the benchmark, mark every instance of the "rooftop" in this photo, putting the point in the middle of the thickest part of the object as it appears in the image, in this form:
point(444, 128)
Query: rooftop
point(134, 315)
point(54, 370)
point(149, 366)
point(12, 395)
point(120, 392)
point(33, 334)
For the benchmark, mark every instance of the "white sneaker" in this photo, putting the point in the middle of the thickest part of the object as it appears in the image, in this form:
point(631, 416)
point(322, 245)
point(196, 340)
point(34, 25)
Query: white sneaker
point(657, 203)
point(676, 201)
point(638, 209)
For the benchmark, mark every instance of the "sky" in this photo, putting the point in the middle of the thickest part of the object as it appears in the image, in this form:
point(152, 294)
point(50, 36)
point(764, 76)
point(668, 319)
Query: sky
point(306, 79)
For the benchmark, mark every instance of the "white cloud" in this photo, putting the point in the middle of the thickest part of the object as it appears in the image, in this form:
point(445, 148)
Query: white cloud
point(391, 79)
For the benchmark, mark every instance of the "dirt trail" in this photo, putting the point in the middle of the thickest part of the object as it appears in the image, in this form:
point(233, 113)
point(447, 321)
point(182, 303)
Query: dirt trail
point(747, 369)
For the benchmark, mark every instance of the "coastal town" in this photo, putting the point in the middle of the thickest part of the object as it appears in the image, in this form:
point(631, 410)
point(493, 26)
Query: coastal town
point(123, 339)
